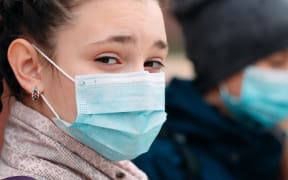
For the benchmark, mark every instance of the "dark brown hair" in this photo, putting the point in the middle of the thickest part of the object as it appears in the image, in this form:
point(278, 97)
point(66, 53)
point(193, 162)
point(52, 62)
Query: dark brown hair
point(35, 20)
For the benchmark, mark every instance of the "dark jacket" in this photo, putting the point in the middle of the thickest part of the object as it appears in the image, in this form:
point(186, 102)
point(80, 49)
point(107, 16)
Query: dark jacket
point(197, 142)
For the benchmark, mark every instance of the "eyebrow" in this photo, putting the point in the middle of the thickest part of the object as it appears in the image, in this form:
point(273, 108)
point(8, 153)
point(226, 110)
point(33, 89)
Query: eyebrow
point(122, 39)
point(161, 44)
point(127, 39)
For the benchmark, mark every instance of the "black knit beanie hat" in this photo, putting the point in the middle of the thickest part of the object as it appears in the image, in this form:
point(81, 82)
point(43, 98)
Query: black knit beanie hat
point(224, 36)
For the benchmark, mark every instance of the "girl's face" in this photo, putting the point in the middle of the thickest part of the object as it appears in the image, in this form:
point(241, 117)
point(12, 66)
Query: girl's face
point(104, 37)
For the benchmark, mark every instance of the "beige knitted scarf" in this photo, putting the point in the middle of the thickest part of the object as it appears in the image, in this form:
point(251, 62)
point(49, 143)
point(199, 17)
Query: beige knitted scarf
point(34, 146)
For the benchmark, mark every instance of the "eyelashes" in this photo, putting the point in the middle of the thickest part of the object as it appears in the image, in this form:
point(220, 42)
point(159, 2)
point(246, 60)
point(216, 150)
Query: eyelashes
point(109, 60)
point(154, 64)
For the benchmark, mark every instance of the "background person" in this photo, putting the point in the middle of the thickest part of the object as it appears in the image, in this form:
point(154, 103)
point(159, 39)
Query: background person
point(226, 123)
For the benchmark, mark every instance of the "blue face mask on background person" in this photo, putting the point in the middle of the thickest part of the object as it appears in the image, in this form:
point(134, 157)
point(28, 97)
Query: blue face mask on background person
point(264, 97)
point(118, 115)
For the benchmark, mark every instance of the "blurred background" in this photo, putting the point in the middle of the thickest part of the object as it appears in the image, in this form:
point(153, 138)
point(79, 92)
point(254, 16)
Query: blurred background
point(177, 65)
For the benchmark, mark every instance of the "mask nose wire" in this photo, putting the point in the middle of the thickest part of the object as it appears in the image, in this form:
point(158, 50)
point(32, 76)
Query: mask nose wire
point(53, 63)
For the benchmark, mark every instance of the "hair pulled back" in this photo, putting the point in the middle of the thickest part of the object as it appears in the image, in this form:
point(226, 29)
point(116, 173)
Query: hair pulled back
point(34, 20)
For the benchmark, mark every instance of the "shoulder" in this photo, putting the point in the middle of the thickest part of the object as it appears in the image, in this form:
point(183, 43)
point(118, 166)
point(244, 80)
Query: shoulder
point(179, 87)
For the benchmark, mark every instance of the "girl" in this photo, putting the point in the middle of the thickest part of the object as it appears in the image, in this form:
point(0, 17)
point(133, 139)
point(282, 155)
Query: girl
point(88, 87)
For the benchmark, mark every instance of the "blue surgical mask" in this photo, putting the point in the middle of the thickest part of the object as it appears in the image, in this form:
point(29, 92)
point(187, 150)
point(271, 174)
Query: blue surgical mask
point(118, 115)
point(263, 99)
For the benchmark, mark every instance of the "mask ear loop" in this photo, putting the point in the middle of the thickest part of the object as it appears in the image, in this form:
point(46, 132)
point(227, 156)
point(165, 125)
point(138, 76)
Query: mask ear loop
point(224, 92)
point(59, 69)
point(222, 89)
point(53, 63)
point(49, 106)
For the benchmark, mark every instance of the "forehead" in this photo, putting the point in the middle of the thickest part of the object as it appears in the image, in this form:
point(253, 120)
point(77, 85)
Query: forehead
point(96, 18)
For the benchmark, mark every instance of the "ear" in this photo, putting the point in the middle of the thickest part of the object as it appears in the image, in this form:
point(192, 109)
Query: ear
point(25, 63)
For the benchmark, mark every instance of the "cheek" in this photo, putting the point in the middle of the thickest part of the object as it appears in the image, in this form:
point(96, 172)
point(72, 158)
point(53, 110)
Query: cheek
point(66, 100)
point(61, 93)
point(234, 85)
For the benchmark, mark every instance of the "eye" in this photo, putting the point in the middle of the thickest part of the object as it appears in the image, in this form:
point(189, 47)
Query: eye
point(277, 63)
point(106, 59)
point(153, 65)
